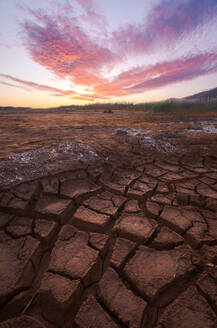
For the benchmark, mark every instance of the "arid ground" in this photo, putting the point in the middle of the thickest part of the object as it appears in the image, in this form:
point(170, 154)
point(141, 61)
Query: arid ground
point(108, 219)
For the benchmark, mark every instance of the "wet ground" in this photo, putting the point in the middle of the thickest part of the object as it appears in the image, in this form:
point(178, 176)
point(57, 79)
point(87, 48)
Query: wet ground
point(120, 232)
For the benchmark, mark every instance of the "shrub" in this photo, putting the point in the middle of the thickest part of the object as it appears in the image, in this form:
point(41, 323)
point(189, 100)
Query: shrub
point(165, 107)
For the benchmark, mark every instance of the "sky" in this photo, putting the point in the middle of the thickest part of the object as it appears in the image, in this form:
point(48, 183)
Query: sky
point(62, 52)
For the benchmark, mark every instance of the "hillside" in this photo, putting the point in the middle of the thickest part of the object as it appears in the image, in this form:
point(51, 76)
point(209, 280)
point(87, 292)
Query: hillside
point(204, 95)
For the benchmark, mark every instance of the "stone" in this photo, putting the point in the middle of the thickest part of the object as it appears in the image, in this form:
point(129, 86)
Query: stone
point(189, 310)
point(85, 218)
point(135, 227)
point(121, 301)
point(152, 271)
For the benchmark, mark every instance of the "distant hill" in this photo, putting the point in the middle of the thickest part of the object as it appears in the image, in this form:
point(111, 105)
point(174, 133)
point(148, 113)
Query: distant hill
point(204, 95)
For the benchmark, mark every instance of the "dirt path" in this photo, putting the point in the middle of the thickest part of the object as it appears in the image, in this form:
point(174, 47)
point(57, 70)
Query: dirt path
point(125, 242)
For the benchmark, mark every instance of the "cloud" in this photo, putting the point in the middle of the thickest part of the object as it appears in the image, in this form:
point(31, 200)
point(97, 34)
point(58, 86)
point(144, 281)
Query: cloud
point(92, 15)
point(3, 44)
point(14, 86)
point(167, 22)
point(60, 43)
point(65, 49)
point(177, 71)
point(32, 85)
point(29, 86)
point(141, 79)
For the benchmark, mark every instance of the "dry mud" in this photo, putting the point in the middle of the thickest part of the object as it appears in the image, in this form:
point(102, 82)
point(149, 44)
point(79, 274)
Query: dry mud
point(39, 143)
point(123, 236)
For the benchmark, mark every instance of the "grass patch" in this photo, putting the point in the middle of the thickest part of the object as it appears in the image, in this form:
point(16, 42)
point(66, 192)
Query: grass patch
point(165, 107)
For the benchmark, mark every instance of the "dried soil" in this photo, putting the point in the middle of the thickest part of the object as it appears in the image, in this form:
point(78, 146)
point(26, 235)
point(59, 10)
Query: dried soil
point(128, 239)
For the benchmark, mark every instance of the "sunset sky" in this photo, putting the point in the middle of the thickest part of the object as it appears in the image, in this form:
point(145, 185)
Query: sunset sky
point(59, 52)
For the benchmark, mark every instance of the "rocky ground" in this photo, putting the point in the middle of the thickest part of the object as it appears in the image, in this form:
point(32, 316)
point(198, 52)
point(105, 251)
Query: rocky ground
point(127, 238)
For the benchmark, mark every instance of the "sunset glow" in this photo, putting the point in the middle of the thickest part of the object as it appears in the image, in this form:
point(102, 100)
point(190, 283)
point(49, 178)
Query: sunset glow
point(77, 51)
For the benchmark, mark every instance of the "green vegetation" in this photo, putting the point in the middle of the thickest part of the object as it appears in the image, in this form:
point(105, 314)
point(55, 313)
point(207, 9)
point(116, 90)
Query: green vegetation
point(196, 107)
point(105, 106)
point(157, 107)
point(165, 107)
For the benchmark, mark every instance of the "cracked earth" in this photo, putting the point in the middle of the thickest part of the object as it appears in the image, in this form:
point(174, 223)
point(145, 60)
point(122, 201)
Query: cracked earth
point(123, 239)
point(112, 244)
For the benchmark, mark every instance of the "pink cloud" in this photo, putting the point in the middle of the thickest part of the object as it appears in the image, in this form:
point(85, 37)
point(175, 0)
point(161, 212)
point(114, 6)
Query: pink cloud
point(64, 48)
point(60, 44)
point(142, 79)
point(4, 44)
point(29, 86)
point(14, 85)
point(167, 23)
point(42, 87)
point(92, 15)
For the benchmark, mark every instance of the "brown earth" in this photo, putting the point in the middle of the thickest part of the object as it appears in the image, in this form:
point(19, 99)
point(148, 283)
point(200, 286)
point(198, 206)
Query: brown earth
point(126, 240)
